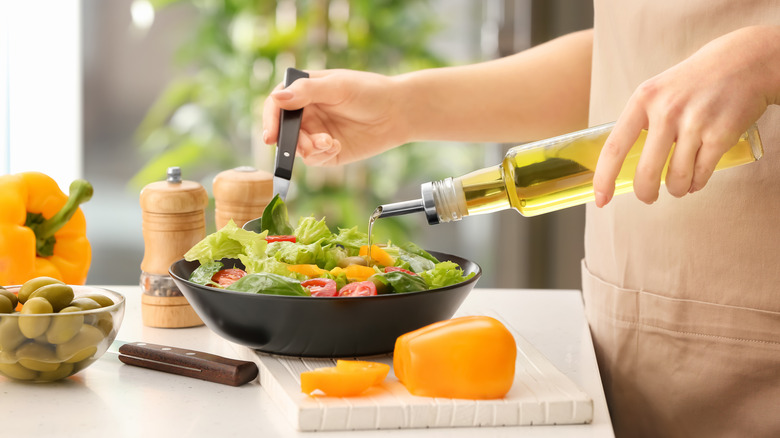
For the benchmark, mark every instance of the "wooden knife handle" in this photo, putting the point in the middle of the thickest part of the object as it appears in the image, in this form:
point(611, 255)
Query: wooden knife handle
point(188, 363)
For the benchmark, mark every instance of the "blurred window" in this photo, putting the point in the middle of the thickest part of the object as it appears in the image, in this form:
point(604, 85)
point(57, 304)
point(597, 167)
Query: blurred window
point(40, 88)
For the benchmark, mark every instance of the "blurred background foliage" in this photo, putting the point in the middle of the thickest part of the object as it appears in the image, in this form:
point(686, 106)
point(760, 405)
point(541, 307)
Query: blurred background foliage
point(208, 118)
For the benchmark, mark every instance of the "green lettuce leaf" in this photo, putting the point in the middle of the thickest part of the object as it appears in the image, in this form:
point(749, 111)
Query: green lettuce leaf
point(444, 274)
point(297, 254)
point(231, 241)
point(310, 230)
point(270, 265)
point(331, 256)
point(351, 239)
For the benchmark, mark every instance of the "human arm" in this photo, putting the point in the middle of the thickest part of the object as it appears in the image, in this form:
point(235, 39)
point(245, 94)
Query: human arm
point(703, 104)
point(352, 115)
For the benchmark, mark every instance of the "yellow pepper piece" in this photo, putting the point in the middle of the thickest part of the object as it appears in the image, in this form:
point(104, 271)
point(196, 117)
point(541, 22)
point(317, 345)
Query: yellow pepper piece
point(358, 272)
point(378, 255)
point(471, 357)
point(348, 378)
point(307, 270)
point(42, 230)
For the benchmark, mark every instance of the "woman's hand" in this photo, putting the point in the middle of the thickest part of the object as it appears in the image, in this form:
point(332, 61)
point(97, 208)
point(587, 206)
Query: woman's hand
point(702, 105)
point(349, 116)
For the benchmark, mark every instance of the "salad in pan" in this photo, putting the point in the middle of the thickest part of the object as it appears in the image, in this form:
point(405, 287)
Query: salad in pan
point(311, 260)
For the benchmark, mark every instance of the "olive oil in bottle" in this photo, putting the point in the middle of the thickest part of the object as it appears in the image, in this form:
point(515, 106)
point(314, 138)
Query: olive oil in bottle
point(543, 176)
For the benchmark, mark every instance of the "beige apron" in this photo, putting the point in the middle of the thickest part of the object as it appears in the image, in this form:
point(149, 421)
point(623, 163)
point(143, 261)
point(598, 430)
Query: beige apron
point(683, 297)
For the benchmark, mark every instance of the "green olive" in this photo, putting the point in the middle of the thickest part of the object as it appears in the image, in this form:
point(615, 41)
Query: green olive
point(103, 300)
point(37, 357)
point(82, 346)
point(7, 356)
point(82, 355)
point(31, 286)
point(64, 370)
point(59, 295)
point(84, 304)
point(10, 295)
point(105, 322)
point(64, 327)
point(10, 335)
point(30, 323)
point(6, 306)
point(354, 260)
point(18, 372)
point(38, 365)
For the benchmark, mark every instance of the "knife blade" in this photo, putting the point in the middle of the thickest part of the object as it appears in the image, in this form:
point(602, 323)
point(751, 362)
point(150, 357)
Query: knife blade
point(289, 128)
point(185, 362)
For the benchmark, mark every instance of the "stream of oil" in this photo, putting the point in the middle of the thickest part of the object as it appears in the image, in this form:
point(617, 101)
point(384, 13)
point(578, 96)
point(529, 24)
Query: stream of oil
point(374, 216)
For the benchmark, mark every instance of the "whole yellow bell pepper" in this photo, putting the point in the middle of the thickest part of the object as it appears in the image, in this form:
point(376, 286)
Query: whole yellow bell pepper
point(472, 357)
point(42, 230)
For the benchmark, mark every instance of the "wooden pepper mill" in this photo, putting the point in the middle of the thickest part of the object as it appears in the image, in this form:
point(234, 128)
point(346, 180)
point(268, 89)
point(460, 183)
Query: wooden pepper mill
point(173, 213)
point(241, 194)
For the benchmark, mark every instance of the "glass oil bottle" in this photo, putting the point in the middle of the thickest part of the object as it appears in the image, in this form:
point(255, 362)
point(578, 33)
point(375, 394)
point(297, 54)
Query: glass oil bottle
point(542, 177)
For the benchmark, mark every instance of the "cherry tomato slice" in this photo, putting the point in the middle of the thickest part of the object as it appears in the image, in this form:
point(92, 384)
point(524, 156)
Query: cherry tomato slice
point(226, 277)
point(321, 287)
point(395, 268)
point(280, 238)
point(358, 289)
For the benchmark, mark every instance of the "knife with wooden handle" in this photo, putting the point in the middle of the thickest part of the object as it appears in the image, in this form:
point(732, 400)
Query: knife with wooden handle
point(184, 362)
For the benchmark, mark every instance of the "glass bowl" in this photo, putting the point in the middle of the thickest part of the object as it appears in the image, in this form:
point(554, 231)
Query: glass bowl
point(52, 346)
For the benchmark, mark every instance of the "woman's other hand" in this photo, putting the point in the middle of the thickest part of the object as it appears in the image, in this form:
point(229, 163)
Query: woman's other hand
point(702, 104)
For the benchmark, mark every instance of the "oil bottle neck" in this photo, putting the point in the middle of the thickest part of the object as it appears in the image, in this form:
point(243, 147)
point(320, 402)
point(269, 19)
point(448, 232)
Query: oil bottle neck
point(441, 201)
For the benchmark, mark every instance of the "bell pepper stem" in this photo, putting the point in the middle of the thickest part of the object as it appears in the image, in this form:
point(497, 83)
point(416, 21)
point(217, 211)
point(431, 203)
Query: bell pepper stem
point(80, 191)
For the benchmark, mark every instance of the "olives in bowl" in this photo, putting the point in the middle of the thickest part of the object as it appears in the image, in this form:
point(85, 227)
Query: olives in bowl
point(58, 329)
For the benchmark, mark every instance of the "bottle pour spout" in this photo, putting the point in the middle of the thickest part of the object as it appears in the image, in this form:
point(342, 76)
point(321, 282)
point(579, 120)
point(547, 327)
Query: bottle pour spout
point(424, 204)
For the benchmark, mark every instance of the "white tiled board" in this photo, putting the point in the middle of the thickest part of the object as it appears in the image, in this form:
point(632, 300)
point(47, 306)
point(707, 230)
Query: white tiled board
point(541, 394)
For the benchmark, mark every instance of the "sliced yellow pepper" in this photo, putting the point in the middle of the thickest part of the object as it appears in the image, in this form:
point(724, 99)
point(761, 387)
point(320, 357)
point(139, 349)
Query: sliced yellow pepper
point(471, 357)
point(358, 272)
point(378, 255)
point(307, 270)
point(348, 378)
point(42, 230)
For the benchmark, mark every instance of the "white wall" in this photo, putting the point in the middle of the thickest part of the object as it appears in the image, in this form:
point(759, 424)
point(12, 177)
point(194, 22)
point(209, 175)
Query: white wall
point(40, 88)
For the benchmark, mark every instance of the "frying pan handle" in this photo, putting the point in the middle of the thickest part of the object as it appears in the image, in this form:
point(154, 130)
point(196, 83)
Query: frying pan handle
point(289, 127)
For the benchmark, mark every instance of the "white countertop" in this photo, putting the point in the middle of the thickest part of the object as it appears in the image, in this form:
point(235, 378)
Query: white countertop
point(113, 399)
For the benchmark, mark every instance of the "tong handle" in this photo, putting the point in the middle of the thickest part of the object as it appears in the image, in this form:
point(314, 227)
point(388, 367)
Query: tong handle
point(289, 127)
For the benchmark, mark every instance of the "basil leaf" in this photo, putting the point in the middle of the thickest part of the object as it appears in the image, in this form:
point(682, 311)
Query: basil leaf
point(416, 250)
point(203, 273)
point(275, 218)
point(416, 263)
point(403, 282)
point(270, 284)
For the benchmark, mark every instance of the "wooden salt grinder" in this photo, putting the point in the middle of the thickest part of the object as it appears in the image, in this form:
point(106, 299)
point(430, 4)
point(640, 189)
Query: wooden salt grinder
point(173, 213)
point(241, 194)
